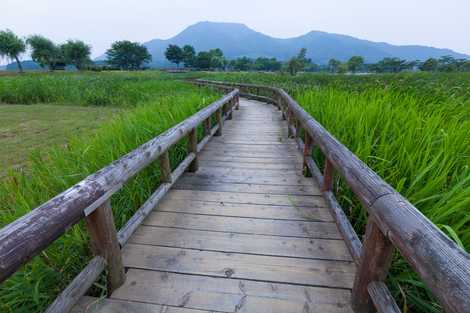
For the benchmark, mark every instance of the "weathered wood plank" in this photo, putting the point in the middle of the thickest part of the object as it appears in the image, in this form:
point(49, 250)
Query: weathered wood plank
point(244, 225)
point(312, 272)
point(252, 178)
point(242, 243)
point(247, 165)
point(230, 295)
point(100, 305)
point(198, 183)
point(382, 298)
point(245, 210)
point(248, 198)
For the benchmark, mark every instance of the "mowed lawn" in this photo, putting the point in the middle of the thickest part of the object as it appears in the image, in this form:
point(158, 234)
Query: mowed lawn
point(24, 128)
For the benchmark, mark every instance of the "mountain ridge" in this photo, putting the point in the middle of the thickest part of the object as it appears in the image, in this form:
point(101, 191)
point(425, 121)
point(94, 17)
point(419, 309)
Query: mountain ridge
point(237, 40)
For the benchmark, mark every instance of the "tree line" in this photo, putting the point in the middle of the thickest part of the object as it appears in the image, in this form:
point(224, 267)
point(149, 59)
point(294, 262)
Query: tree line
point(125, 55)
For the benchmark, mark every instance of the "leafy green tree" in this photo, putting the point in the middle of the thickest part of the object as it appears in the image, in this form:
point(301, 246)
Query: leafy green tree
point(355, 63)
point(189, 55)
point(333, 65)
point(45, 52)
point(217, 58)
point(174, 54)
point(430, 65)
point(203, 60)
point(128, 55)
point(77, 53)
point(11, 46)
point(210, 60)
point(298, 63)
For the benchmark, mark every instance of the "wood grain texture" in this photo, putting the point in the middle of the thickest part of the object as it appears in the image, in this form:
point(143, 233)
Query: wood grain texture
point(230, 295)
point(307, 248)
point(313, 272)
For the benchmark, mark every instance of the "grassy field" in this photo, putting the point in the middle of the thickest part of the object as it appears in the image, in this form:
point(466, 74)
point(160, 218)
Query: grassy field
point(153, 103)
point(25, 128)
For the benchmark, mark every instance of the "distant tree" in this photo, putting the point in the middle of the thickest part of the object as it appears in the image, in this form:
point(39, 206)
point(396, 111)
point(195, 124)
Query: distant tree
point(430, 65)
point(448, 63)
point(189, 55)
point(77, 53)
point(174, 54)
point(203, 60)
point(45, 52)
point(355, 63)
point(242, 64)
point(217, 58)
point(210, 60)
point(128, 55)
point(267, 64)
point(333, 65)
point(298, 63)
point(11, 46)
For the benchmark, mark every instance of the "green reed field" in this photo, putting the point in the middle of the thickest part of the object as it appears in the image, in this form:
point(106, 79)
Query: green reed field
point(147, 103)
point(413, 130)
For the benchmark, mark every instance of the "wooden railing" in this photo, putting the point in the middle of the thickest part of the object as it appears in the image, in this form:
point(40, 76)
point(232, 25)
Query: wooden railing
point(394, 223)
point(90, 199)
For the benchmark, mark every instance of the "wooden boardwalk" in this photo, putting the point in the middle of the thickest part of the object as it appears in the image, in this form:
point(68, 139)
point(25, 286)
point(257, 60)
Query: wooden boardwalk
point(246, 233)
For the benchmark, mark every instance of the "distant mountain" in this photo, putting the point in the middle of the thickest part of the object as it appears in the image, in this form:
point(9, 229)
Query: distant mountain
point(237, 40)
point(28, 65)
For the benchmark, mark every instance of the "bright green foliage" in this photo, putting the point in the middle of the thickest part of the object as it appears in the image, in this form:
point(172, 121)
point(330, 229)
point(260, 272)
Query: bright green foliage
point(77, 53)
point(45, 52)
point(11, 46)
point(53, 170)
point(210, 60)
point(413, 130)
point(174, 54)
point(128, 55)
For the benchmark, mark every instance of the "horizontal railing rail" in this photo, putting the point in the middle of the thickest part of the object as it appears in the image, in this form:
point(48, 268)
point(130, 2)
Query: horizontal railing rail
point(394, 223)
point(90, 199)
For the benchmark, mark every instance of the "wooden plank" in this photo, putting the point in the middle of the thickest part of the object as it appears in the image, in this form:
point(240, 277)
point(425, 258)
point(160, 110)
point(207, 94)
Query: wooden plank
point(248, 154)
point(240, 159)
point(249, 198)
point(100, 305)
point(197, 183)
point(312, 272)
point(256, 166)
point(245, 210)
point(244, 225)
point(242, 243)
point(252, 178)
point(281, 173)
point(230, 295)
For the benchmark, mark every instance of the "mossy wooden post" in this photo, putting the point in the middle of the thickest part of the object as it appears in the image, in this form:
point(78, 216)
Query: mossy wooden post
point(307, 153)
point(220, 122)
point(376, 258)
point(229, 109)
point(289, 123)
point(100, 225)
point(237, 102)
point(165, 168)
point(192, 148)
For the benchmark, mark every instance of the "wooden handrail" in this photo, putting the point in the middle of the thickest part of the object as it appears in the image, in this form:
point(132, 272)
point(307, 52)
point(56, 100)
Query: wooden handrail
point(441, 264)
point(27, 236)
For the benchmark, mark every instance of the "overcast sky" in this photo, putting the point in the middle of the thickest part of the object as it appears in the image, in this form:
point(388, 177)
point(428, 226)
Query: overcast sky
point(438, 23)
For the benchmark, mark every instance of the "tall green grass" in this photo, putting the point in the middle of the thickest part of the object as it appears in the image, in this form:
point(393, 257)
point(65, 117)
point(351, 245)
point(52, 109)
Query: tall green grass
point(414, 131)
point(52, 171)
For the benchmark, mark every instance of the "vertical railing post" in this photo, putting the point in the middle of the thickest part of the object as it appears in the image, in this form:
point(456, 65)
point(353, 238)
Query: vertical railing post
point(229, 109)
point(207, 126)
point(220, 122)
point(192, 148)
point(375, 262)
point(328, 173)
point(100, 225)
point(237, 102)
point(298, 129)
point(307, 153)
point(165, 168)
point(289, 123)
